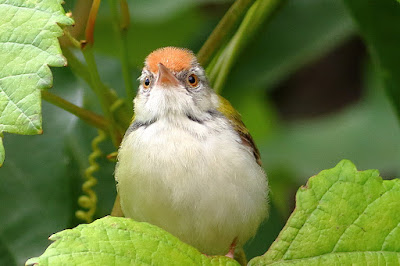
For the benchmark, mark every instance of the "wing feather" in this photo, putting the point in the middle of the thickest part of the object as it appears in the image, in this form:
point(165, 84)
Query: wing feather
point(236, 121)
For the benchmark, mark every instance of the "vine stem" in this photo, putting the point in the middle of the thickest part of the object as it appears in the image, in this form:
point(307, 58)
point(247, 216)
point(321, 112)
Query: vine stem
point(86, 115)
point(91, 22)
point(71, 38)
point(76, 66)
point(121, 115)
point(222, 31)
point(101, 91)
point(121, 27)
point(96, 81)
point(255, 16)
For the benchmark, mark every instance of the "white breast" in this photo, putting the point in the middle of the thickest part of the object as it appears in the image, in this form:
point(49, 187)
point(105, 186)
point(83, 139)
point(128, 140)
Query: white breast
point(198, 182)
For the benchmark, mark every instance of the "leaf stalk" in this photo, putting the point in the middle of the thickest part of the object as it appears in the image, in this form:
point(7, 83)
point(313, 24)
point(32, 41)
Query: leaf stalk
point(88, 116)
point(121, 26)
point(89, 33)
point(222, 31)
point(254, 18)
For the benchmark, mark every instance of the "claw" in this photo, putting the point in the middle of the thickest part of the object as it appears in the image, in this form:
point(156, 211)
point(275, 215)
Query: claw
point(231, 252)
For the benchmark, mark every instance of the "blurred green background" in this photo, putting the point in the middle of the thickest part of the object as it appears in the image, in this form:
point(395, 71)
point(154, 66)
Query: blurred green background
point(305, 86)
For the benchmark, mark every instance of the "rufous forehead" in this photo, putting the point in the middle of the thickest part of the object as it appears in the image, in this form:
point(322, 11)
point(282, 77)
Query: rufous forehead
point(175, 59)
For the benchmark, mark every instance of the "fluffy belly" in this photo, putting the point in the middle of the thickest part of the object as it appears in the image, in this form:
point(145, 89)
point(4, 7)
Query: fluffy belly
point(205, 190)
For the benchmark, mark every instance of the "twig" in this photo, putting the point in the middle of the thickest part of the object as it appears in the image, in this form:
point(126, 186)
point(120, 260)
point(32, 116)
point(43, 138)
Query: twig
point(223, 29)
point(101, 91)
point(122, 115)
point(77, 67)
point(255, 16)
point(91, 22)
point(86, 115)
point(121, 26)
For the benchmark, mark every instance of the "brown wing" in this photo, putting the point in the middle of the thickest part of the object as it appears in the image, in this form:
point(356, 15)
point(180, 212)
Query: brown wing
point(234, 117)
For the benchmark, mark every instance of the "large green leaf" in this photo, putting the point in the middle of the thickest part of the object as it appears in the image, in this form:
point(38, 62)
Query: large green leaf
point(342, 216)
point(35, 188)
point(122, 241)
point(28, 45)
point(379, 24)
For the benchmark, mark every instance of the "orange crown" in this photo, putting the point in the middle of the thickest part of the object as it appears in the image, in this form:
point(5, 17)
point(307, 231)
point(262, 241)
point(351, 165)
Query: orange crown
point(175, 59)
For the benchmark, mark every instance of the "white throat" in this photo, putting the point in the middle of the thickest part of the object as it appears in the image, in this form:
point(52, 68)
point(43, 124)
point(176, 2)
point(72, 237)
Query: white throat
point(172, 102)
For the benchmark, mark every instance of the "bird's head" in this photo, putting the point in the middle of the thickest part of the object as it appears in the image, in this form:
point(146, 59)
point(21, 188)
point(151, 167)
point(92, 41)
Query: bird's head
point(173, 84)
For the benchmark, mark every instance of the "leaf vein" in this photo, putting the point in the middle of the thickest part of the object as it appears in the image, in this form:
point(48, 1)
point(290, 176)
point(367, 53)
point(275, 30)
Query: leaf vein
point(309, 215)
point(358, 217)
point(28, 44)
point(292, 261)
point(34, 9)
point(19, 109)
point(17, 75)
point(391, 231)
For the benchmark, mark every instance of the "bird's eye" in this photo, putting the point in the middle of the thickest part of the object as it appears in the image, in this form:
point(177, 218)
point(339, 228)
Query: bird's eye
point(193, 80)
point(146, 83)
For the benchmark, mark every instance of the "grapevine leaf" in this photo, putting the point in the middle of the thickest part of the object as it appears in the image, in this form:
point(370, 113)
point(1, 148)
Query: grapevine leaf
point(122, 241)
point(37, 205)
point(28, 45)
point(342, 216)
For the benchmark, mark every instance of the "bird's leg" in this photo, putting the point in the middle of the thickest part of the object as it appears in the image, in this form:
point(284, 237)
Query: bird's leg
point(231, 252)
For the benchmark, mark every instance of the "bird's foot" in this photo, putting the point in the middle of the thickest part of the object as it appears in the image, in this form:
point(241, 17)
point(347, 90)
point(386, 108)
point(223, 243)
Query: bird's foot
point(231, 252)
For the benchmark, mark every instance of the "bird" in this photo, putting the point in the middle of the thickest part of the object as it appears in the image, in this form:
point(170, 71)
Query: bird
point(187, 163)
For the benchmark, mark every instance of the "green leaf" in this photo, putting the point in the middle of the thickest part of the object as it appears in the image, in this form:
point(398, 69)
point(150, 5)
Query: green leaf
point(342, 216)
point(122, 241)
point(28, 45)
point(379, 24)
point(39, 193)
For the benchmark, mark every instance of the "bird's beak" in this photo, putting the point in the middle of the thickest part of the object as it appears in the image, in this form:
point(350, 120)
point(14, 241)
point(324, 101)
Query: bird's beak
point(165, 78)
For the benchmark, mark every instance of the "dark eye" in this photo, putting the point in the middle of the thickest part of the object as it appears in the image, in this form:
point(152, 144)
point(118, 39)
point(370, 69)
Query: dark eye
point(146, 83)
point(193, 80)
